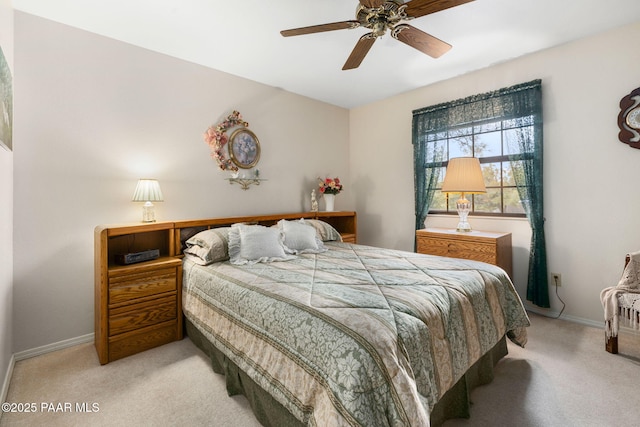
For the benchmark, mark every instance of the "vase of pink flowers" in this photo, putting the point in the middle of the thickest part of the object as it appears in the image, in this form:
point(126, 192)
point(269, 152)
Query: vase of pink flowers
point(329, 188)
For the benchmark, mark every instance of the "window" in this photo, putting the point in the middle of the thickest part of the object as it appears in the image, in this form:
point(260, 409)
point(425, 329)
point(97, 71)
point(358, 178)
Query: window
point(503, 129)
point(494, 143)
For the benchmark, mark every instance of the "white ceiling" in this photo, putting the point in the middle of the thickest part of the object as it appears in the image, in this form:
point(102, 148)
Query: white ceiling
point(242, 37)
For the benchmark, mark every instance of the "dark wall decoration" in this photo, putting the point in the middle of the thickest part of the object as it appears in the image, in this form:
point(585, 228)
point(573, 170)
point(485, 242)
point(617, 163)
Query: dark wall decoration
point(629, 119)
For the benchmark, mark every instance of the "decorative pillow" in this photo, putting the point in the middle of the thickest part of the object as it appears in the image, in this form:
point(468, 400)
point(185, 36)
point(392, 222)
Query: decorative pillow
point(208, 246)
point(325, 231)
point(300, 237)
point(249, 244)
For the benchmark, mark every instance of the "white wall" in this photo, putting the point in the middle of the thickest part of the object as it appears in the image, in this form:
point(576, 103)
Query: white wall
point(93, 115)
point(6, 217)
point(591, 179)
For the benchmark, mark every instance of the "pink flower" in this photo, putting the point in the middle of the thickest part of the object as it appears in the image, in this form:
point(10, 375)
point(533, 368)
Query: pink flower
point(330, 186)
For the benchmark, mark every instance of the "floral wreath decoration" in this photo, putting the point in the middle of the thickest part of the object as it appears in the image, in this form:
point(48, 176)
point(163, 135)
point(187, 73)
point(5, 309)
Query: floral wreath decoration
point(216, 137)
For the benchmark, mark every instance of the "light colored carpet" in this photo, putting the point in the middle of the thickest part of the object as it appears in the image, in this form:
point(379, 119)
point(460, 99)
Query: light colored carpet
point(562, 378)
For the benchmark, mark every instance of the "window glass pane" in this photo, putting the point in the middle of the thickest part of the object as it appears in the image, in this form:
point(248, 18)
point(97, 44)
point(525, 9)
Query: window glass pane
point(487, 127)
point(518, 122)
point(510, 124)
point(507, 175)
point(461, 147)
point(441, 173)
point(517, 171)
point(492, 174)
point(461, 131)
point(453, 198)
point(512, 138)
point(512, 203)
point(488, 145)
point(438, 147)
point(491, 202)
point(439, 202)
point(436, 135)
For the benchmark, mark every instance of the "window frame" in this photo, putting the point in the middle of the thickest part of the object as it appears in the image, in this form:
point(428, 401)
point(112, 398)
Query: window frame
point(504, 157)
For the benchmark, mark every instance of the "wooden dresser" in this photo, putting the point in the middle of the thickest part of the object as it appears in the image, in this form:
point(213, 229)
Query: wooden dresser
point(137, 306)
point(490, 247)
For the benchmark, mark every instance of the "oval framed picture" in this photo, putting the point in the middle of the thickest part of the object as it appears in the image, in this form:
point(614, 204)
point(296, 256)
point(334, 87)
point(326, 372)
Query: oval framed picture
point(244, 148)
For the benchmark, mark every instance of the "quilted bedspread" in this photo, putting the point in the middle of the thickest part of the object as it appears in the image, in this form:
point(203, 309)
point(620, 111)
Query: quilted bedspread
point(356, 335)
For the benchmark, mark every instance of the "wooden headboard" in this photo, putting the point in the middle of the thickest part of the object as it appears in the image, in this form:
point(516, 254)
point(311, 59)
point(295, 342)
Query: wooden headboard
point(344, 222)
point(169, 236)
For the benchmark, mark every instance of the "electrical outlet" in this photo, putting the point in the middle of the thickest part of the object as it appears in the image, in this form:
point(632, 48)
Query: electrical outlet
point(556, 279)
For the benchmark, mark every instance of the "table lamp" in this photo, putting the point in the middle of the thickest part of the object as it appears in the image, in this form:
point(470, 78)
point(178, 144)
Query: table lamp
point(463, 176)
point(148, 190)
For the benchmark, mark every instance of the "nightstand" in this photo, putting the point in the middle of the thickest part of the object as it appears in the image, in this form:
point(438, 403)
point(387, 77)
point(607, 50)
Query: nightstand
point(490, 247)
point(137, 306)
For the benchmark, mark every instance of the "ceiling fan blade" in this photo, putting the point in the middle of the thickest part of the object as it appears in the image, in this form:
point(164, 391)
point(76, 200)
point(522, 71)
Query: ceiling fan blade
point(417, 8)
point(344, 25)
point(420, 40)
point(359, 52)
point(371, 3)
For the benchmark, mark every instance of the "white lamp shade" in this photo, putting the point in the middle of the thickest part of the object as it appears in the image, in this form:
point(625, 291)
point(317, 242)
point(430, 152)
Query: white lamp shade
point(147, 190)
point(464, 176)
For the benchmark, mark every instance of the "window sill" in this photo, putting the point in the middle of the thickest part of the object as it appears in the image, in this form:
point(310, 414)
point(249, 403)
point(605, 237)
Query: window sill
point(483, 217)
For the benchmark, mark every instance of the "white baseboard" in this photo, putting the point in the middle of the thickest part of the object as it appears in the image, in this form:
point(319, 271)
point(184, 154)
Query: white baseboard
point(580, 320)
point(53, 347)
point(7, 381)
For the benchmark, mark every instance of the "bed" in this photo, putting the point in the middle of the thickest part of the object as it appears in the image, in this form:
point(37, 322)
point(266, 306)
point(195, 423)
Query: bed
point(333, 333)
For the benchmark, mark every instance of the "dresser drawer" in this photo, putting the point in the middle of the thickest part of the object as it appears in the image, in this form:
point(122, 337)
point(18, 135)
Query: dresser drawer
point(427, 245)
point(136, 316)
point(474, 251)
point(139, 340)
point(141, 284)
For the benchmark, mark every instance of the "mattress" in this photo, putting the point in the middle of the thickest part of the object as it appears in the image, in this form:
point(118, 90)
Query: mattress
point(356, 335)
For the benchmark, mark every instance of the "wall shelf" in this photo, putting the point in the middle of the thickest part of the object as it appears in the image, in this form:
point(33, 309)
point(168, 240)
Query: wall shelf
point(245, 182)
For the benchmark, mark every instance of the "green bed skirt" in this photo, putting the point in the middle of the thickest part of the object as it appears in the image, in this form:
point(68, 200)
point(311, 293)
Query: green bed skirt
point(454, 404)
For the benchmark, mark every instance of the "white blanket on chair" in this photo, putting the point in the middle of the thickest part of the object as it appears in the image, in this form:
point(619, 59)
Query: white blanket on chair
point(629, 283)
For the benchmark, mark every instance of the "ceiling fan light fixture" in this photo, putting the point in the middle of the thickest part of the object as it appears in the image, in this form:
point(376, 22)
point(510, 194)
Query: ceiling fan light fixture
point(379, 28)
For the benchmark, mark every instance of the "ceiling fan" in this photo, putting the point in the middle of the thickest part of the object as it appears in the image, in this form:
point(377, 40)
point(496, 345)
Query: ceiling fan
point(382, 15)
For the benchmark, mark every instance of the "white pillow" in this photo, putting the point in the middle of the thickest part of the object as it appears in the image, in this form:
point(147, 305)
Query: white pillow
point(208, 246)
point(300, 237)
point(325, 231)
point(249, 244)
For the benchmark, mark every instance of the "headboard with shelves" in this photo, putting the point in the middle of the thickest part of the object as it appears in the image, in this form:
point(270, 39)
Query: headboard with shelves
point(345, 222)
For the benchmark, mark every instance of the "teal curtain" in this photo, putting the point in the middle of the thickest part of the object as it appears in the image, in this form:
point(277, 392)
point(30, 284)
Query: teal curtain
point(528, 142)
point(428, 160)
point(519, 105)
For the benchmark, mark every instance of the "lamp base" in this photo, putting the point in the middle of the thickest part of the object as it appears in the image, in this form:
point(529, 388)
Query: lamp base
point(463, 206)
point(463, 227)
point(148, 212)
